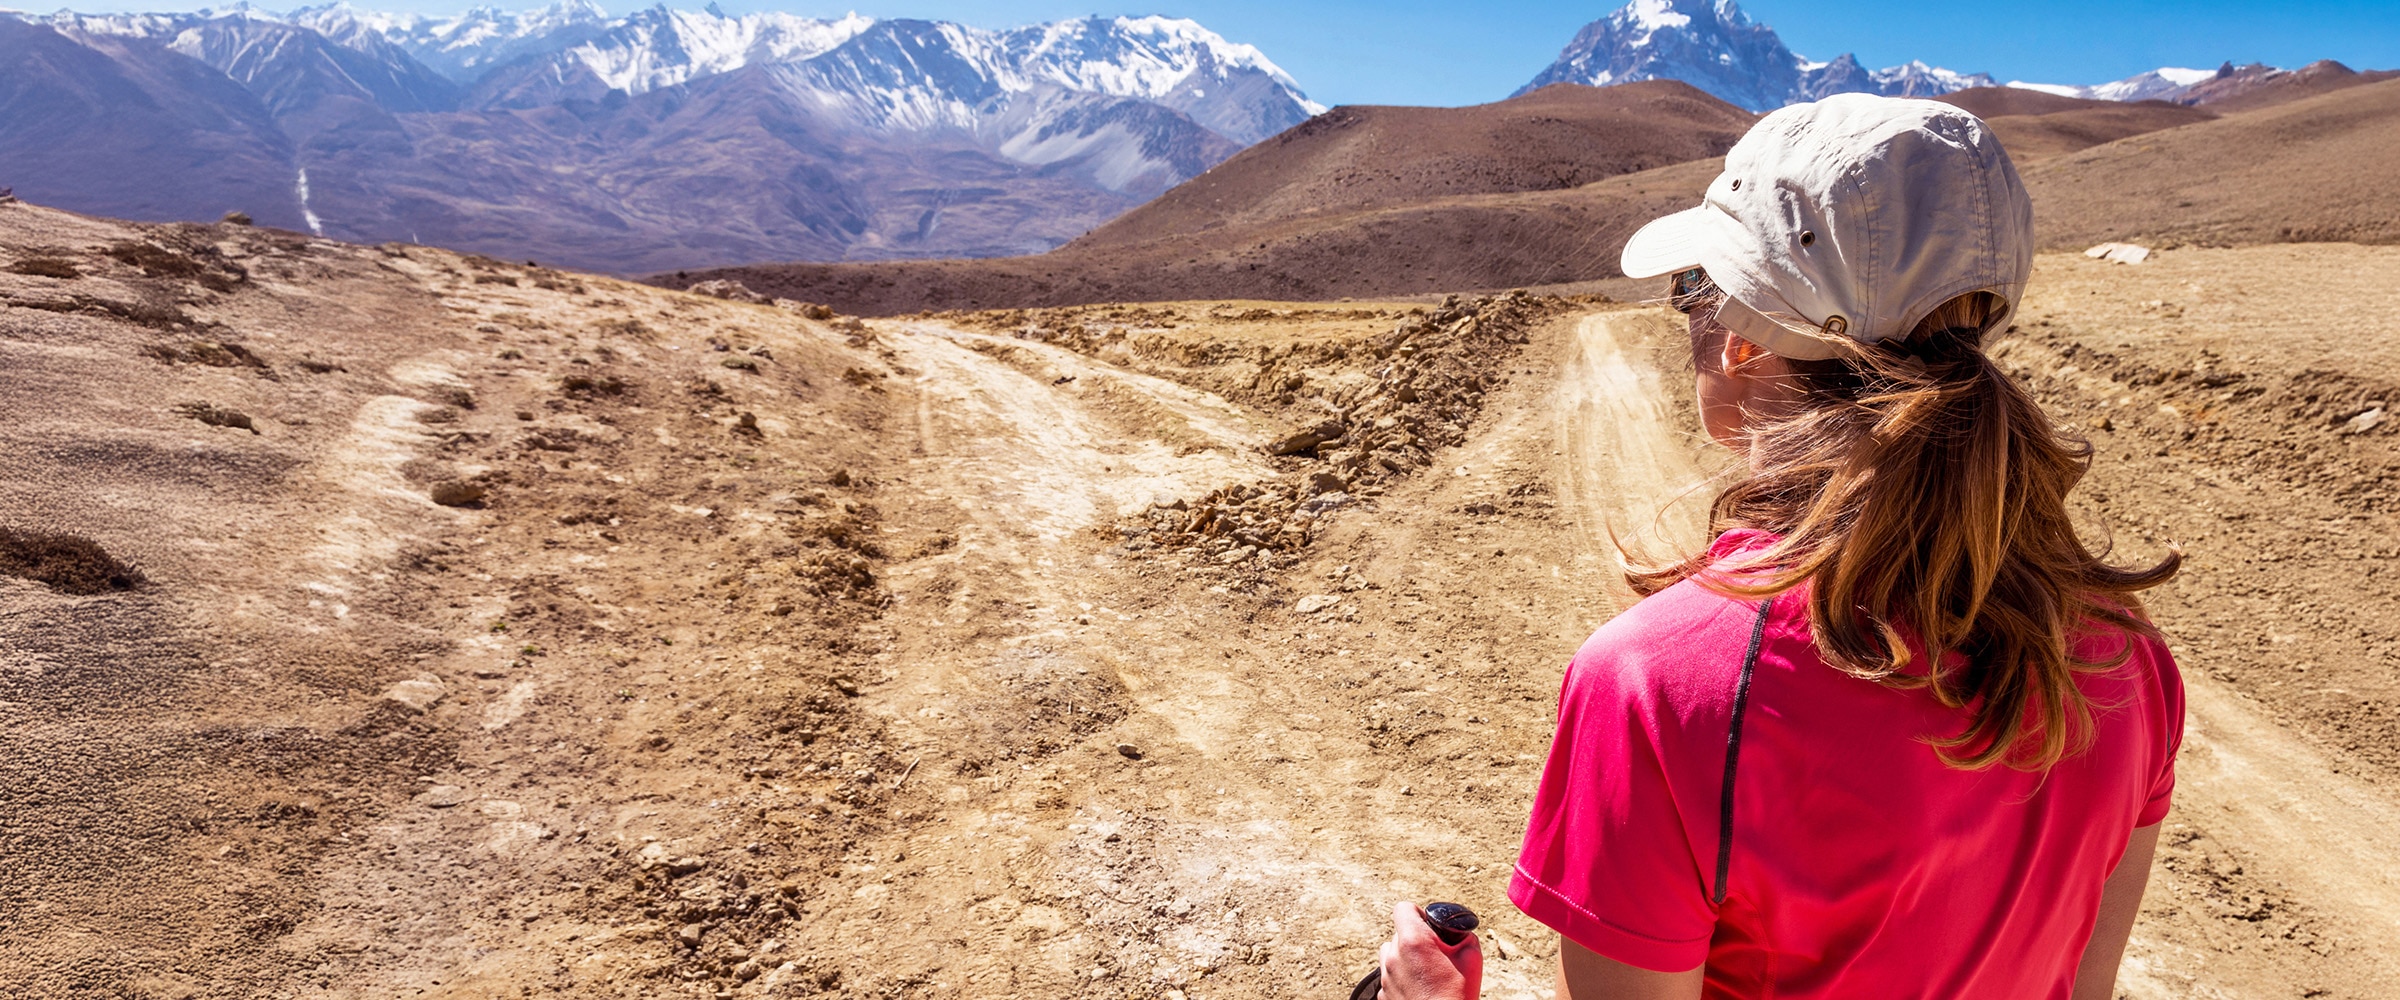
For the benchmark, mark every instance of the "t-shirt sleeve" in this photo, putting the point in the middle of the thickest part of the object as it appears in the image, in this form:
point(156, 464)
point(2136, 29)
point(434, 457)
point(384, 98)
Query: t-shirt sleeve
point(2162, 781)
point(1609, 860)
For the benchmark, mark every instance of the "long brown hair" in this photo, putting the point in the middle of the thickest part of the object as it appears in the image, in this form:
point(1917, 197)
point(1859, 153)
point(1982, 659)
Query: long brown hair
point(1922, 494)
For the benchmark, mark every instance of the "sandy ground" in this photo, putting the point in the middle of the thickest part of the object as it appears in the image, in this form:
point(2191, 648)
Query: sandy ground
point(964, 655)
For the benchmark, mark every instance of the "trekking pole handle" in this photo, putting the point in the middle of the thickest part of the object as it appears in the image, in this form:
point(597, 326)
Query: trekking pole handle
point(1450, 921)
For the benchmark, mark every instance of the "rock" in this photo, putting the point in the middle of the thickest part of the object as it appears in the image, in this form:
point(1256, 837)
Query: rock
point(721, 288)
point(1306, 439)
point(458, 493)
point(747, 425)
point(690, 934)
point(1321, 483)
point(218, 416)
point(1129, 751)
point(807, 310)
point(416, 694)
point(1237, 555)
point(1325, 502)
point(2119, 253)
point(1314, 603)
point(442, 796)
point(236, 217)
point(2364, 422)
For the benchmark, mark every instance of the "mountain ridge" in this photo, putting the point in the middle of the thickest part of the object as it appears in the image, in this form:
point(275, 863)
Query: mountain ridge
point(1713, 45)
point(535, 133)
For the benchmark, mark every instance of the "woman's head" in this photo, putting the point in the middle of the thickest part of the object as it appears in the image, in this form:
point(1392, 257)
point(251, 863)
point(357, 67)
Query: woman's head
point(1915, 487)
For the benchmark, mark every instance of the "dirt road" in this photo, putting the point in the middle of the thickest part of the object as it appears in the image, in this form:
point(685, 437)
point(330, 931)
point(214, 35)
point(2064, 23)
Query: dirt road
point(541, 634)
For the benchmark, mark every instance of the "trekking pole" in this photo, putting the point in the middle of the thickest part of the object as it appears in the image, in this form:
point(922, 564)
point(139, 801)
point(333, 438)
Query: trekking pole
point(1450, 922)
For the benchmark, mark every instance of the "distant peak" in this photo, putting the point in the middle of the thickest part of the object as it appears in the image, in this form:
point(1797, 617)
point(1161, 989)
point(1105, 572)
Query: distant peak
point(1715, 46)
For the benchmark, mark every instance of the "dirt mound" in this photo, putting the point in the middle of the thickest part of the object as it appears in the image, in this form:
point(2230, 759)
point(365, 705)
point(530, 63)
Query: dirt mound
point(64, 563)
point(2035, 126)
point(2300, 171)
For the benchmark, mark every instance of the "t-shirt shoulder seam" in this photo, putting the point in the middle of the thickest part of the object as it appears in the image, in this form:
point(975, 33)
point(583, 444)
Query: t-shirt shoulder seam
point(1568, 902)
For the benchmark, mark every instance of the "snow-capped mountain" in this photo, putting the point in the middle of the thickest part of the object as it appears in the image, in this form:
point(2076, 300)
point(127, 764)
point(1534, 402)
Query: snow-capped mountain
point(856, 136)
point(461, 47)
point(2165, 83)
point(1713, 45)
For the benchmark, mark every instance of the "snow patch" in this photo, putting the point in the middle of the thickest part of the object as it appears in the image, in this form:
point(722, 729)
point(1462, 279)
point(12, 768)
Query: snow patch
point(315, 225)
point(1655, 15)
point(2060, 89)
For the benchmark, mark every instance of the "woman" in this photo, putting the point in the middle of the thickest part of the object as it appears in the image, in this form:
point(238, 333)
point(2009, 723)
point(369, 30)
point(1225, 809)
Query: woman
point(1897, 732)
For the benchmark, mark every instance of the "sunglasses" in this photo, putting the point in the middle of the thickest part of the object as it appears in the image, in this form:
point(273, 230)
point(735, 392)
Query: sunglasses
point(1692, 291)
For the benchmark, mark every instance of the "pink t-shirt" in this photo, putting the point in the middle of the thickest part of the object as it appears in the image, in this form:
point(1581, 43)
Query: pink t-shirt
point(1855, 863)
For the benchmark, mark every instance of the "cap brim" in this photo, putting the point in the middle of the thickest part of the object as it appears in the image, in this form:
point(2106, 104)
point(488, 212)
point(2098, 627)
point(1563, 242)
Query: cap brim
point(1670, 243)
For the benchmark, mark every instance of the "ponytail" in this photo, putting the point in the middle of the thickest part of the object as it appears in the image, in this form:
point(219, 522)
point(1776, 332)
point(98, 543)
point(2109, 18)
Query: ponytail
point(1922, 495)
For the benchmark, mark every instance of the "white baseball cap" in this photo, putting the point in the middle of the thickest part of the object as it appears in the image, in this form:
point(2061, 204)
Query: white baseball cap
point(1847, 220)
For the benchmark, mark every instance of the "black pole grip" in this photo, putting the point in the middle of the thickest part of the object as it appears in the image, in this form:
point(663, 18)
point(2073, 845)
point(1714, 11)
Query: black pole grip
point(1450, 921)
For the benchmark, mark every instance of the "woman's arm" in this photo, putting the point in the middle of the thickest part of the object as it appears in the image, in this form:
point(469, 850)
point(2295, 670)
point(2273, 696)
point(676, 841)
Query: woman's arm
point(1583, 975)
point(2120, 902)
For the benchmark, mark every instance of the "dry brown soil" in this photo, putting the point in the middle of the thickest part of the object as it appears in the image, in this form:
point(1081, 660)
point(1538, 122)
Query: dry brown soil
point(788, 657)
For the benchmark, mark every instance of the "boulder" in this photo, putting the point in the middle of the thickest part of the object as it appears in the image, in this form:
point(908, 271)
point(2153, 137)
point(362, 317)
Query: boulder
point(417, 694)
point(1306, 439)
point(458, 493)
point(721, 288)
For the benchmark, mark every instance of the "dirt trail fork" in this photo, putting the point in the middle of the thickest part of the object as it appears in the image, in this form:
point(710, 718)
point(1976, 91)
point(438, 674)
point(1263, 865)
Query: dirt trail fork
point(1450, 922)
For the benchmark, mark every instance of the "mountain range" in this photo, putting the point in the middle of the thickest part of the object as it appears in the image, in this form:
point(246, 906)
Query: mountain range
point(663, 138)
point(1713, 45)
point(668, 140)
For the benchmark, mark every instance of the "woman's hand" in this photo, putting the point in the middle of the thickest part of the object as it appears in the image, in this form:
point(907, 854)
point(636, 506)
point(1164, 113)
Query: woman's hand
point(1418, 966)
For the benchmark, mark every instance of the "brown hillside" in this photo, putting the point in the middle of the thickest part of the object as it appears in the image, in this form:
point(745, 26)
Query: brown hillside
point(1475, 242)
point(2035, 126)
point(2248, 88)
point(2007, 102)
point(1360, 202)
point(1369, 158)
point(2307, 170)
point(2098, 170)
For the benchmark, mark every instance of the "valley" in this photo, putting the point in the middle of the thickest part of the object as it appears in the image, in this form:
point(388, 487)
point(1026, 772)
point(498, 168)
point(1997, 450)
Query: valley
point(535, 632)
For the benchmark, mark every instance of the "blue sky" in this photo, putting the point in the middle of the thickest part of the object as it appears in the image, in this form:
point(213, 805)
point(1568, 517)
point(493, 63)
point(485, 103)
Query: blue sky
point(1469, 51)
